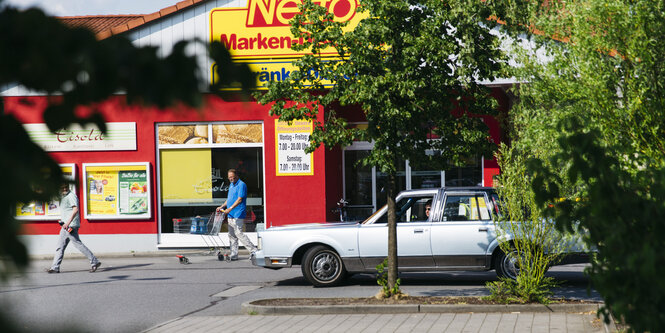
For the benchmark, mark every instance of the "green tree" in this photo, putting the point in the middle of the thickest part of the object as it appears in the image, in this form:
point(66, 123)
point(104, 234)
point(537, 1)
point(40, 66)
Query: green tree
point(602, 87)
point(413, 68)
point(41, 54)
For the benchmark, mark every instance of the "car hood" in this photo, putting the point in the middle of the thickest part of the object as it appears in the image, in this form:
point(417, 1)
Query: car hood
point(308, 226)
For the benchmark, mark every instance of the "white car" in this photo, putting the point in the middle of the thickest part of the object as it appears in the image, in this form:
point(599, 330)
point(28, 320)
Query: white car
point(458, 235)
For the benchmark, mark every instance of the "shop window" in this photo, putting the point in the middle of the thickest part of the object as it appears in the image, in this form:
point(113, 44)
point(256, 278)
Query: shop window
point(365, 187)
point(41, 211)
point(425, 178)
point(469, 174)
point(382, 183)
point(193, 181)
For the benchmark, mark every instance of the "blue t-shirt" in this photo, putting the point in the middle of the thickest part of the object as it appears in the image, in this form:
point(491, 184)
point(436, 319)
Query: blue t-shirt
point(237, 190)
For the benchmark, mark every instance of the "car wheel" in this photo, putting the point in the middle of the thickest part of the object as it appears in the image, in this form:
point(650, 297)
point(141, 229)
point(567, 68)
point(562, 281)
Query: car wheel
point(323, 267)
point(506, 265)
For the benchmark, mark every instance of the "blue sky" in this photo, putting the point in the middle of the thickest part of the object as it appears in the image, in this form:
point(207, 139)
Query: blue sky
point(93, 7)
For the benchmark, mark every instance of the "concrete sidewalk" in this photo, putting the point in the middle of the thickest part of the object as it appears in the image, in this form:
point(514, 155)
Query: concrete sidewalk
point(398, 318)
point(415, 322)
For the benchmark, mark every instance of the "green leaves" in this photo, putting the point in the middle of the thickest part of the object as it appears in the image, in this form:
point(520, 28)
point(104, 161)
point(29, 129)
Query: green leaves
point(403, 66)
point(43, 55)
point(382, 280)
point(31, 175)
point(593, 116)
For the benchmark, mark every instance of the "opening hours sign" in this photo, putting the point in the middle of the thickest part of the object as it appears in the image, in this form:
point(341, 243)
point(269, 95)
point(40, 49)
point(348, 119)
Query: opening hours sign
point(291, 142)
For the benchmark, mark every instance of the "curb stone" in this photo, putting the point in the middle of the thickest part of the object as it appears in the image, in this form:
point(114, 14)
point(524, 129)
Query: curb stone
point(508, 308)
point(249, 308)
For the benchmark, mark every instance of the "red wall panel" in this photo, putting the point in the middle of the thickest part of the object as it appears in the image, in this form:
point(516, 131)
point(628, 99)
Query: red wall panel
point(289, 199)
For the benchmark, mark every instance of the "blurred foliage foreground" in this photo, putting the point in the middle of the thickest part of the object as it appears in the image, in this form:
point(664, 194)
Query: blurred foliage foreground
point(39, 53)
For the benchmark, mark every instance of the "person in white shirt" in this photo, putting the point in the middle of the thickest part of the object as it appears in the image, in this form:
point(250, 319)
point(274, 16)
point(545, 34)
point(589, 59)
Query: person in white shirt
point(69, 231)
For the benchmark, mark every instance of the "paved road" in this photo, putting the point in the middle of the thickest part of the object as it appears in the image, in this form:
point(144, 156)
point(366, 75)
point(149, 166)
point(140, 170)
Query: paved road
point(136, 293)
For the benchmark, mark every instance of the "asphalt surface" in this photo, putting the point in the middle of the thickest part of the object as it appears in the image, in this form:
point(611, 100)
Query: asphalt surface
point(134, 294)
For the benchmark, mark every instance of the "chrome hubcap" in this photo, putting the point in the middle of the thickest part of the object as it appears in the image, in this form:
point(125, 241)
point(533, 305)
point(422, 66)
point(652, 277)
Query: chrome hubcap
point(325, 266)
point(510, 265)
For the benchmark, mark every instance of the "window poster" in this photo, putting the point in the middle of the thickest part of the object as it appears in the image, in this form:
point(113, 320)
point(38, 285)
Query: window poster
point(116, 191)
point(291, 142)
point(133, 192)
point(209, 134)
point(44, 210)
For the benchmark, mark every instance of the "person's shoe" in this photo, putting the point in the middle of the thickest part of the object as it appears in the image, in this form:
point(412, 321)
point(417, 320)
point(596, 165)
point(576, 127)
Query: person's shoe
point(52, 271)
point(234, 258)
point(95, 266)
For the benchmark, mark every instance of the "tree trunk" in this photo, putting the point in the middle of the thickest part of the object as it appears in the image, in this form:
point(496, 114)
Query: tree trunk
point(392, 233)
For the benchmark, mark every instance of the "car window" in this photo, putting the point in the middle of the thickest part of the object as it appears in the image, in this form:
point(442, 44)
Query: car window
point(497, 206)
point(465, 207)
point(410, 209)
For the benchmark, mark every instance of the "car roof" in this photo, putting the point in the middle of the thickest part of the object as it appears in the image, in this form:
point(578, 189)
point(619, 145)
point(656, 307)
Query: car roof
point(468, 188)
point(450, 188)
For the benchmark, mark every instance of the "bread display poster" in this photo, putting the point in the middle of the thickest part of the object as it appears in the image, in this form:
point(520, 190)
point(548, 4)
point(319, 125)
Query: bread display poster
point(202, 134)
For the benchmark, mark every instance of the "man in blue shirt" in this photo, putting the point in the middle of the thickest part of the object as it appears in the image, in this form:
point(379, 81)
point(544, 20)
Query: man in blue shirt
point(236, 213)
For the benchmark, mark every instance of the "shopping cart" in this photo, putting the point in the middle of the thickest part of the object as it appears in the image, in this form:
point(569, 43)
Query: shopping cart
point(211, 236)
point(208, 229)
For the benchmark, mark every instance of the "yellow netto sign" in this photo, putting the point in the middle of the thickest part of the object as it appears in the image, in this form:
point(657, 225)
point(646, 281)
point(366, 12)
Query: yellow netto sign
point(261, 30)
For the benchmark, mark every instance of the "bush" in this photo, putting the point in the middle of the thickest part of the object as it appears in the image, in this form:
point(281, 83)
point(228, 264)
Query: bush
point(382, 280)
point(624, 213)
point(527, 238)
point(508, 291)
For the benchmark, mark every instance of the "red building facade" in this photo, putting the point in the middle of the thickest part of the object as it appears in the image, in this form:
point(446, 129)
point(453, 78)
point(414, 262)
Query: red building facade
point(179, 158)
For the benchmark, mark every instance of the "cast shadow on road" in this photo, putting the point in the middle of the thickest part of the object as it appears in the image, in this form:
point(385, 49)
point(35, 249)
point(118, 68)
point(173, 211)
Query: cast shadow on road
point(571, 284)
point(107, 268)
point(409, 278)
point(127, 277)
point(114, 268)
point(566, 279)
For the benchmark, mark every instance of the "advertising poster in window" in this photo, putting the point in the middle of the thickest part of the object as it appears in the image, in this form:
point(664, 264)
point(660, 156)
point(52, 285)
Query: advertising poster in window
point(44, 210)
point(102, 192)
point(133, 192)
point(117, 191)
point(291, 142)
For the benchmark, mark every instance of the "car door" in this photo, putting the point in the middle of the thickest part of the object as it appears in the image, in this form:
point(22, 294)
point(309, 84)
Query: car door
point(413, 235)
point(462, 236)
